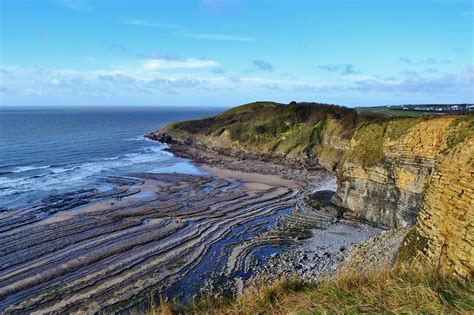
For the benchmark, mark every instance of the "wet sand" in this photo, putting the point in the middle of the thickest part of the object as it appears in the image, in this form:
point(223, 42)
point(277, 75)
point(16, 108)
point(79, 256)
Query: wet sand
point(156, 234)
point(149, 237)
point(251, 180)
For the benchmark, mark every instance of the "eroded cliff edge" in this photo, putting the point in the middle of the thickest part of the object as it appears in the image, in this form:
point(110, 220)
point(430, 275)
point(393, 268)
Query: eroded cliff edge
point(395, 172)
point(412, 171)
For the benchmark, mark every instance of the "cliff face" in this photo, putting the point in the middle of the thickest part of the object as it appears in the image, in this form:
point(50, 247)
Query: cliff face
point(387, 169)
point(394, 172)
point(446, 218)
point(422, 174)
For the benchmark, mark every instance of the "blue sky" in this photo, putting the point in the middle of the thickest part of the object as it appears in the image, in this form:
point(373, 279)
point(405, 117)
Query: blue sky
point(229, 52)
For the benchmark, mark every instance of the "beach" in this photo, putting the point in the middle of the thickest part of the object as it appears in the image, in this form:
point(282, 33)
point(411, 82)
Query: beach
point(172, 235)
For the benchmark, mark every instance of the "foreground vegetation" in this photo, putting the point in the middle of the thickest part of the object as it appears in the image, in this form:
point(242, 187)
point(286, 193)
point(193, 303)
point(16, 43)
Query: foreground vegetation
point(398, 291)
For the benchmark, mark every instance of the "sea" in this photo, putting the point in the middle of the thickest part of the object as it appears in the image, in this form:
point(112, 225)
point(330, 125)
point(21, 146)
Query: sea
point(54, 151)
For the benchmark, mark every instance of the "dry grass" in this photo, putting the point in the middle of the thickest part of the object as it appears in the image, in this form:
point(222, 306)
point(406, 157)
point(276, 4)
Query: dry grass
point(399, 291)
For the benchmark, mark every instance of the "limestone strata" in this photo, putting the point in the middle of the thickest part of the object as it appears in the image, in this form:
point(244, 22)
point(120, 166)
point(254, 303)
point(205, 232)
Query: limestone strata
point(117, 252)
point(424, 177)
point(446, 217)
point(391, 191)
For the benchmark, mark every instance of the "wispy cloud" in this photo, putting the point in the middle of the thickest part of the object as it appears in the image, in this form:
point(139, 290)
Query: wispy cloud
point(263, 65)
point(405, 60)
point(425, 61)
point(155, 54)
point(409, 73)
point(234, 79)
point(420, 85)
point(135, 79)
point(344, 69)
point(144, 23)
point(184, 31)
point(3, 72)
point(468, 74)
point(189, 63)
point(430, 70)
point(272, 86)
point(221, 37)
point(218, 71)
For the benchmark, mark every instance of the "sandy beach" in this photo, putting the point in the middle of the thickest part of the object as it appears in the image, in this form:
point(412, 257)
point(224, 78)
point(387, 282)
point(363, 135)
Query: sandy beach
point(172, 234)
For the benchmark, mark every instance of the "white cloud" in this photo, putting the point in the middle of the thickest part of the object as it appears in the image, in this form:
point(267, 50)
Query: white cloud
point(137, 22)
point(217, 37)
point(30, 91)
point(184, 31)
point(468, 74)
point(140, 79)
point(189, 63)
point(55, 82)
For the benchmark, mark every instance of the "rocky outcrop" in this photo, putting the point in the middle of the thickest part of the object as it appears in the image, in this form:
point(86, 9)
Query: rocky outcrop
point(388, 167)
point(446, 218)
point(424, 176)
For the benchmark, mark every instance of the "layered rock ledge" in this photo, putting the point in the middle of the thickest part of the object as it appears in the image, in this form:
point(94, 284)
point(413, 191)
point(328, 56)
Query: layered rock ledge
point(387, 169)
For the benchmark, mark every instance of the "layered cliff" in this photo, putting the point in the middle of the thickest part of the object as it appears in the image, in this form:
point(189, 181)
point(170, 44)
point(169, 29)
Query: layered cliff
point(412, 171)
point(387, 168)
point(446, 218)
point(394, 172)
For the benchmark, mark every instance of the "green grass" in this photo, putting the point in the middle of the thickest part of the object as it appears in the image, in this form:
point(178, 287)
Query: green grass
point(387, 112)
point(464, 127)
point(406, 290)
point(413, 244)
point(248, 108)
point(299, 130)
point(370, 139)
point(293, 130)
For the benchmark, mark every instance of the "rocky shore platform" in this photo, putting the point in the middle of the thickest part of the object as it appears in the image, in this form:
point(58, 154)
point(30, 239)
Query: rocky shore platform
point(174, 236)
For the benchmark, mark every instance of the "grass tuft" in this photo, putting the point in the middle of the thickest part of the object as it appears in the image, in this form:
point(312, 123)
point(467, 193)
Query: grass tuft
point(406, 290)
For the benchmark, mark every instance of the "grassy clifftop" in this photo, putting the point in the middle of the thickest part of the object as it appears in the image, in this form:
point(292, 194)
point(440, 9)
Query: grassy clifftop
point(320, 132)
point(303, 131)
point(383, 292)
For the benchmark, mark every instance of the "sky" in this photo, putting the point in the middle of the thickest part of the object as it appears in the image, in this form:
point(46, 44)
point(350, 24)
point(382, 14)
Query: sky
point(230, 52)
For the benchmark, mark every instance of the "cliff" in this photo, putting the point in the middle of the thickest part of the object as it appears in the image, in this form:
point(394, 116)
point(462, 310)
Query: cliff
point(446, 218)
point(386, 170)
point(305, 133)
point(394, 172)
point(403, 172)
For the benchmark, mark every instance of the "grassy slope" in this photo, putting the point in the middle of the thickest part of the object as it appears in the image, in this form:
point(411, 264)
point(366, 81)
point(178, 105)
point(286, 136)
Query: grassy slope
point(315, 132)
point(309, 132)
point(401, 290)
point(303, 130)
point(369, 138)
point(394, 112)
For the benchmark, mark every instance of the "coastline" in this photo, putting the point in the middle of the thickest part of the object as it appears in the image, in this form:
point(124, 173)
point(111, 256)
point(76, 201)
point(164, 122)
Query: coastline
point(173, 233)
